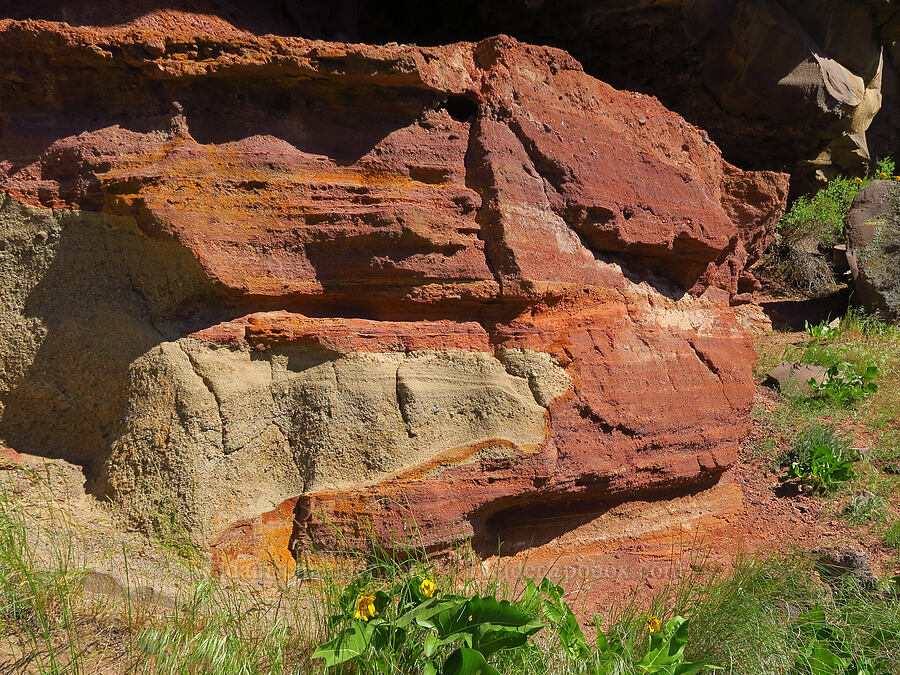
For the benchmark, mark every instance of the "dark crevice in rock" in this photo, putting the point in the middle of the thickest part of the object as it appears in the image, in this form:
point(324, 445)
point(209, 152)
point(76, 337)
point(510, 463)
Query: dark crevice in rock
point(461, 108)
point(210, 387)
point(585, 411)
point(499, 257)
point(516, 523)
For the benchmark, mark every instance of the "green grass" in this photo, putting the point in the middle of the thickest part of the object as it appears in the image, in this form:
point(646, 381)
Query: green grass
point(822, 215)
point(748, 620)
point(50, 623)
point(864, 341)
point(892, 536)
point(796, 423)
point(813, 435)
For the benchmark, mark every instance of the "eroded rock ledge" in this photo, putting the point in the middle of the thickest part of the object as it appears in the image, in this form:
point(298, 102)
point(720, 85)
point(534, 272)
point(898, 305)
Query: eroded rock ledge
point(295, 285)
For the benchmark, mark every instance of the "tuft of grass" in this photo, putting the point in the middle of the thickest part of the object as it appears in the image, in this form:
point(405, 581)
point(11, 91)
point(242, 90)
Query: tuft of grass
point(750, 620)
point(892, 536)
point(866, 507)
point(815, 435)
point(51, 623)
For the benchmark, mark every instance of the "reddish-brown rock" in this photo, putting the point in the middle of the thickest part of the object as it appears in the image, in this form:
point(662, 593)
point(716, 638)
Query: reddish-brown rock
point(544, 261)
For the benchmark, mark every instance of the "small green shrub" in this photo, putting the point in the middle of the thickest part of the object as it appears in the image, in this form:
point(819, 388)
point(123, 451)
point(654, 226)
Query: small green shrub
point(820, 459)
point(822, 215)
point(843, 386)
point(814, 435)
point(822, 331)
point(801, 256)
point(884, 169)
point(822, 471)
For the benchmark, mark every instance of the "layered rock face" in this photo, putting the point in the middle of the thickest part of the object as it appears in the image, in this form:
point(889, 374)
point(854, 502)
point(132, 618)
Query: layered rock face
point(327, 291)
point(778, 84)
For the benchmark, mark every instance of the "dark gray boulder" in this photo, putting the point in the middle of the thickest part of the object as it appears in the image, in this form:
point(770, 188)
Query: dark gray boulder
point(872, 228)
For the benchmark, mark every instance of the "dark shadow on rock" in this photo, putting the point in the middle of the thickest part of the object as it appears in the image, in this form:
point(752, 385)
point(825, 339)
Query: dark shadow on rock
point(259, 16)
point(340, 120)
point(792, 314)
point(101, 303)
point(507, 526)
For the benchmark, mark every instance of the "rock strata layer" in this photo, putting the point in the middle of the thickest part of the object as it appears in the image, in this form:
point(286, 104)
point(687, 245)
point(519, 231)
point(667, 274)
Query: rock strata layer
point(283, 289)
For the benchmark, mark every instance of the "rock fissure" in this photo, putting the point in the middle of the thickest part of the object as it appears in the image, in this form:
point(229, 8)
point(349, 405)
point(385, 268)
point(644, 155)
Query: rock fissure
point(211, 388)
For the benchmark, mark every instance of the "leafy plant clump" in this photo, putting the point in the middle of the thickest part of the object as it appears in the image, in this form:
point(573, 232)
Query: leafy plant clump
point(417, 628)
point(806, 233)
point(824, 649)
point(843, 386)
point(820, 459)
point(822, 331)
point(823, 214)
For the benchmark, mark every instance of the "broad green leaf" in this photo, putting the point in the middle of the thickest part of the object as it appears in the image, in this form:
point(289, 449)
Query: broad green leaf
point(476, 611)
point(498, 612)
point(489, 639)
point(422, 613)
point(466, 661)
point(431, 645)
point(531, 599)
point(351, 643)
point(382, 600)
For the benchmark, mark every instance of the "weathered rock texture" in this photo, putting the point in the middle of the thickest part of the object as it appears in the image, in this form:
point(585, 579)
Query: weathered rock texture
point(873, 247)
point(778, 84)
point(271, 280)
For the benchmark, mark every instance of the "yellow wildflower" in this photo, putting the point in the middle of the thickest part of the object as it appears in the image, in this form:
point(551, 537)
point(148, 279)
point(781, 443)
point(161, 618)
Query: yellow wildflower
point(859, 180)
point(653, 623)
point(365, 607)
point(428, 587)
point(896, 177)
point(883, 174)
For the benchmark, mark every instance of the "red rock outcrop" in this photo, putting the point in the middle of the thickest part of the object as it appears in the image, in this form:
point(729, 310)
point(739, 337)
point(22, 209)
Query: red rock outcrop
point(465, 287)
